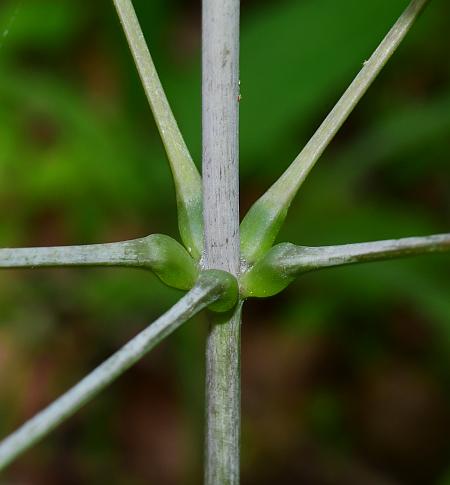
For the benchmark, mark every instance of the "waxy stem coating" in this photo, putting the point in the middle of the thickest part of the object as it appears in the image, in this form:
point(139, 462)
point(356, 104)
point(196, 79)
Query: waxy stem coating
point(188, 184)
point(212, 286)
point(159, 253)
point(263, 221)
point(285, 261)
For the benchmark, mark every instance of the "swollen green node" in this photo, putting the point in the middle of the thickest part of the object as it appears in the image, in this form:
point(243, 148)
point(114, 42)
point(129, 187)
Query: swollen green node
point(259, 229)
point(168, 259)
point(190, 224)
point(268, 276)
point(228, 290)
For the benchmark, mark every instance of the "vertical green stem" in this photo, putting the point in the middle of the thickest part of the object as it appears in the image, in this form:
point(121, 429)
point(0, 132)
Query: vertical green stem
point(220, 91)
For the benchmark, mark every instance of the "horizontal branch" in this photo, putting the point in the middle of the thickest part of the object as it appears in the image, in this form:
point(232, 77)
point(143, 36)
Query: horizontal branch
point(265, 218)
point(159, 253)
point(212, 286)
point(285, 261)
point(187, 180)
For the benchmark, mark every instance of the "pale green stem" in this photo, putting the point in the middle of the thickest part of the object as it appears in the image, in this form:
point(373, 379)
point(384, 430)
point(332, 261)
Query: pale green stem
point(265, 218)
point(158, 253)
point(220, 141)
point(210, 287)
point(279, 267)
point(187, 180)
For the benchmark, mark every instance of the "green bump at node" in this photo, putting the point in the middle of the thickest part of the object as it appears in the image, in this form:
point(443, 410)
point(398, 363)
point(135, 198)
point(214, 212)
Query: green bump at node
point(228, 289)
point(168, 259)
point(268, 276)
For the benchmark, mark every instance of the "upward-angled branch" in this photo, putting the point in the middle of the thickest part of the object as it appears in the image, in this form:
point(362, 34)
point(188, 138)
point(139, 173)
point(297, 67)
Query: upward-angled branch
point(263, 221)
point(212, 286)
point(187, 180)
point(161, 254)
point(279, 267)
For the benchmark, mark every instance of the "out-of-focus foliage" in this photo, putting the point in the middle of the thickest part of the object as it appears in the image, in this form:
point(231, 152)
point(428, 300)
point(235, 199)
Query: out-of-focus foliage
point(345, 375)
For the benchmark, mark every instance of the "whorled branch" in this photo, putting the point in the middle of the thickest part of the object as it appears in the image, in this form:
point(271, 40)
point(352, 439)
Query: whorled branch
point(187, 180)
point(213, 287)
point(159, 253)
point(265, 218)
point(285, 261)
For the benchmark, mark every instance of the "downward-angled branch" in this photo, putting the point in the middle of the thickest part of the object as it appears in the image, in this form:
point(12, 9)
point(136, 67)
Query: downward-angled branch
point(263, 221)
point(187, 180)
point(212, 286)
point(285, 261)
point(159, 253)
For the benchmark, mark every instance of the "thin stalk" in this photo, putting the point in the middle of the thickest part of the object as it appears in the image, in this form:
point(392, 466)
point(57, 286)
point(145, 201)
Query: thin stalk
point(265, 218)
point(210, 288)
point(158, 253)
point(187, 180)
point(284, 262)
point(220, 91)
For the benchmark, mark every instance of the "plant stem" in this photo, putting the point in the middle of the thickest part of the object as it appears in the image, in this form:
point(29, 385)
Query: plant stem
point(285, 261)
point(303, 259)
point(187, 180)
point(159, 253)
point(265, 218)
point(220, 91)
point(209, 288)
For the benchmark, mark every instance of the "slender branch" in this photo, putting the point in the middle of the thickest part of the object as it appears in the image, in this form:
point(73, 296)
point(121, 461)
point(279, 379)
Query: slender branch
point(265, 218)
point(210, 287)
point(159, 253)
point(220, 91)
point(285, 261)
point(187, 180)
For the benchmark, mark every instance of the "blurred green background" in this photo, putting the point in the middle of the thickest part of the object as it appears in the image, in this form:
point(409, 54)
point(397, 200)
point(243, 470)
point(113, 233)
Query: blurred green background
point(346, 373)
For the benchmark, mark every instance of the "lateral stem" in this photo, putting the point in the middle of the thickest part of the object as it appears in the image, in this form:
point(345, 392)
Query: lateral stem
point(209, 288)
point(262, 223)
point(187, 179)
point(285, 261)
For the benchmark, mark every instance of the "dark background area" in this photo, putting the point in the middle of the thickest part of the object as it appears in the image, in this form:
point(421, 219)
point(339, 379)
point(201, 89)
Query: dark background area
point(346, 373)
